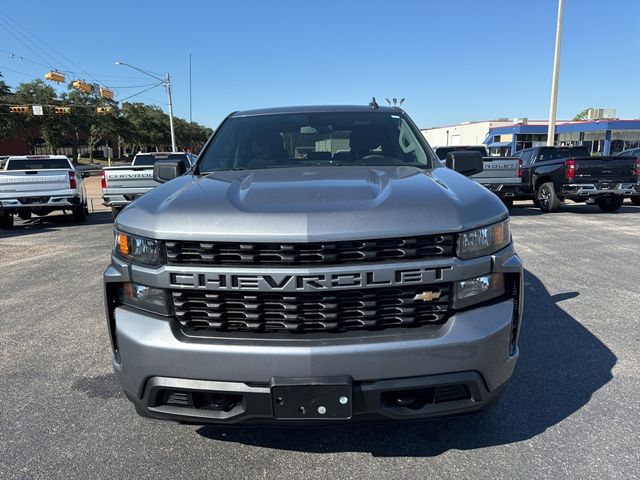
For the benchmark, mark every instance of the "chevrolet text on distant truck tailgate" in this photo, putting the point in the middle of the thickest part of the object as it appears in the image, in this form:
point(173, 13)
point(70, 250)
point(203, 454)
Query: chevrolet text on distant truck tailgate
point(317, 264)
point(122, 185)
point(40, 184)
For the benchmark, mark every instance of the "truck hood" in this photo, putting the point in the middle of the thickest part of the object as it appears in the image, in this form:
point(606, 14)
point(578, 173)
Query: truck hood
point(312, 204)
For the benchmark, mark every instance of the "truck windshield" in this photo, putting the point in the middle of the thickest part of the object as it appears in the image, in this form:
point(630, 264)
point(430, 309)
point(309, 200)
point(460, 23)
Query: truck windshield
point(150, 160)
point(312, 139)
point(39, 164)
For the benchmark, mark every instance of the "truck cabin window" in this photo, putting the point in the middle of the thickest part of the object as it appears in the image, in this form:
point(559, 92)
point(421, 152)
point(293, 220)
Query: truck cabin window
point(298, 140)
point(40, 164)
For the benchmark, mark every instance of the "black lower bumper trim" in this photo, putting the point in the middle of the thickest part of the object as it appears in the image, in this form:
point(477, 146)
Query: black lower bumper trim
point(202, 402)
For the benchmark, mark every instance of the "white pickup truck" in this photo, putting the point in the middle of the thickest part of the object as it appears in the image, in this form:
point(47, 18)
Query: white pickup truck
point(501, 175)
point(40, 184)
point(122, 185)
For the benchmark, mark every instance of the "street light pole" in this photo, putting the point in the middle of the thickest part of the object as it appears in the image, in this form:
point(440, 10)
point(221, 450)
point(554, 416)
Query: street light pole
point(167, 84)
point(166, 81)
point(551, 133)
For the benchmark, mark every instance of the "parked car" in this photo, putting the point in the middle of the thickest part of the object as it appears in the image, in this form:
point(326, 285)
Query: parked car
point(318, 264)
point(501, 175)
point(40, 184)
point(553, 174)
point(122, 185)
point(633, 152)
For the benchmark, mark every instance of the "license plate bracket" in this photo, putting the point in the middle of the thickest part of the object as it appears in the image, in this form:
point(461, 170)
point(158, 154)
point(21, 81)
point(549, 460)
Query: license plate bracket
point(316, 398)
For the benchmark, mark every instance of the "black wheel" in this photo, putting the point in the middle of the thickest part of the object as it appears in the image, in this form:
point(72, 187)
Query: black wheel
point(79, 214)
point(635, 199)
point(548, 201)
point(25, 214)
point(6, 221)
point(115, 211)
point(610, 204)
point(508, 202)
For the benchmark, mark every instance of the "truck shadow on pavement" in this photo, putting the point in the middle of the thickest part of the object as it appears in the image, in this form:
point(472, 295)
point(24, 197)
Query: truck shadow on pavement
point(529, 210)
point(53, 222)
point(561, 365)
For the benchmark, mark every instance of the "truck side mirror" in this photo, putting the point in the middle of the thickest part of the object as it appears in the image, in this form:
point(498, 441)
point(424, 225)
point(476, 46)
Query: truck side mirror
point(165, 170)
point(465, 162)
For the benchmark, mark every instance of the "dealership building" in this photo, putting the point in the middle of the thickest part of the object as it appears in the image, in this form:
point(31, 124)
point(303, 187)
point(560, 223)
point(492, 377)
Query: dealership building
point(603, 136)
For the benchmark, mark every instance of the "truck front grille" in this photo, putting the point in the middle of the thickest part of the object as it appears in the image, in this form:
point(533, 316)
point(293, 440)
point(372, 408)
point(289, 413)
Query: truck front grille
point(373, 308)
point(301, 254)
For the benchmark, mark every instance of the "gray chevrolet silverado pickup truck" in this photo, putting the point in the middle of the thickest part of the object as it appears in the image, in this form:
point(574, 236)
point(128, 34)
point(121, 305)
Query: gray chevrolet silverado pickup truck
point(317, 265)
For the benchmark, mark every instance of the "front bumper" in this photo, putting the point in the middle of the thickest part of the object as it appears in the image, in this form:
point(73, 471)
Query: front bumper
point(471, 349)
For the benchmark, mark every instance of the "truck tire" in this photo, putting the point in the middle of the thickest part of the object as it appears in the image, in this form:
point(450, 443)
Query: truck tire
point(6, 221)
point(635, 199)
point(25, 215)
point(79, 214)
point(548, 201)
point(115, 211)
point(610, 204)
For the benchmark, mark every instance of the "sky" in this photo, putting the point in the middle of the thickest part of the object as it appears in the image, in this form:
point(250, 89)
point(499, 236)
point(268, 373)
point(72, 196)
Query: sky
point(452, 60)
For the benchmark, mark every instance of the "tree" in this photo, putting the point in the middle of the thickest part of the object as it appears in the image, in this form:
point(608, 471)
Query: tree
point(583, 115)
point(5, 93)
point(148, 126)
point(28, 126)
point(136, 125)
point(191, 135)
point(4, 88)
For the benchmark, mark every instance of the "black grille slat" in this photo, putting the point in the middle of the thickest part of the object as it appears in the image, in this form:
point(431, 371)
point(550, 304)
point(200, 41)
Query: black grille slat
point(310, 311)
point(300, 254)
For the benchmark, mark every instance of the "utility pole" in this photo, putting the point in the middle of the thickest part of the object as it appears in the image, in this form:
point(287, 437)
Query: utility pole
point(167, 85)
point(166, 81)
point(551, 133)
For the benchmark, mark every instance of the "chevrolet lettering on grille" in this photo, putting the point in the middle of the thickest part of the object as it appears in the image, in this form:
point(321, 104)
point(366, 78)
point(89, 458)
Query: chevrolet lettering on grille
point(312, 282)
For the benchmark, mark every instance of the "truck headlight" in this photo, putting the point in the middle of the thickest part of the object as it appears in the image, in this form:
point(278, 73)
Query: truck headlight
point(477, 290)
point(145, 298)
point(137, 249)
point(484, 241)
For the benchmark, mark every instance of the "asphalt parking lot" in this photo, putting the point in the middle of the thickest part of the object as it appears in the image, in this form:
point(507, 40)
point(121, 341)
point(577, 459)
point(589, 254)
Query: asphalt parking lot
point(571, 410)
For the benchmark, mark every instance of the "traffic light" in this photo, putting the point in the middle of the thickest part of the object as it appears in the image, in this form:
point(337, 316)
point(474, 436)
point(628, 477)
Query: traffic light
point(82, 86)
point(54, 76)
point(19, 109)
point(106, 93)
point(103, 110)
point(62, 109)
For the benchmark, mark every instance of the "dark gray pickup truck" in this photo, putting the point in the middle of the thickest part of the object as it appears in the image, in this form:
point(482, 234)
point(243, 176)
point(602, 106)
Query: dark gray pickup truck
point(553, 174)
point(317, 265)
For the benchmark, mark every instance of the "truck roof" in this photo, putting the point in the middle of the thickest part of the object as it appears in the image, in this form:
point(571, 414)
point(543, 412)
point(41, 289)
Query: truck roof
point(159, 153)
point(37, 157)
point(315, 109)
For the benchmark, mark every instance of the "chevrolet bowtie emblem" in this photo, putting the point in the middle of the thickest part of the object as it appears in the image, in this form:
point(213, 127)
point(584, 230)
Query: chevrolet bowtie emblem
point(427, 296)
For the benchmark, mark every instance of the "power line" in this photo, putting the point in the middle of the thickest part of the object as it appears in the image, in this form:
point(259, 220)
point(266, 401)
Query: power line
point(4, 24)
point(30, 75)
point(137, 86)
point(51, 49)
point(15, 56)
point(136, 94)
